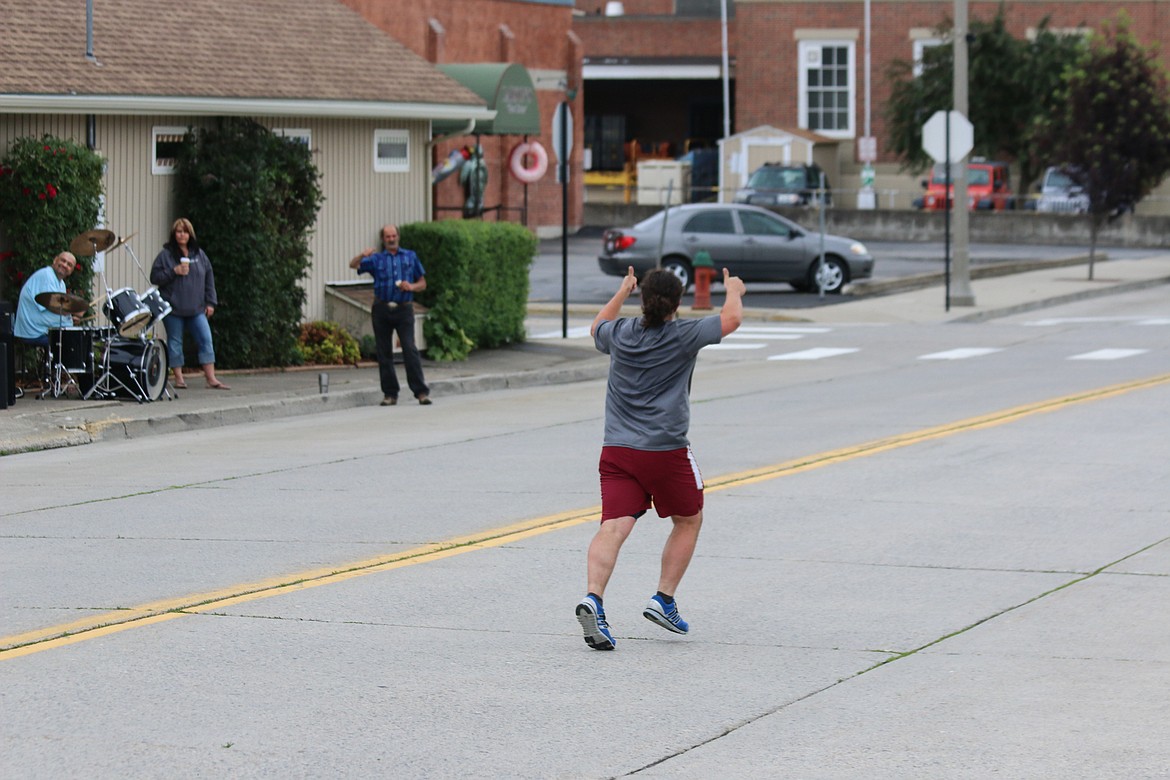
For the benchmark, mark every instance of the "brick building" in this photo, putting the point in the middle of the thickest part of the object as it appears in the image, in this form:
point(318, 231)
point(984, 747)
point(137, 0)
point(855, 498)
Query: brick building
point(794, 64)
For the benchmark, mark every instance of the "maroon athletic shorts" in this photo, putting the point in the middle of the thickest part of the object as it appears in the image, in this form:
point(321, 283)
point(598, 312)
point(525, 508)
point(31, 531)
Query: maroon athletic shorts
point(632, 479)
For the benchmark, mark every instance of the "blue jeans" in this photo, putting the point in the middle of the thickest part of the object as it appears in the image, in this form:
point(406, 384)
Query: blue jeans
point(201, 332)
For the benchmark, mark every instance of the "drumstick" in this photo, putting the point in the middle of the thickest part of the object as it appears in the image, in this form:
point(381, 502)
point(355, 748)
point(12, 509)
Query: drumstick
point(98, 300)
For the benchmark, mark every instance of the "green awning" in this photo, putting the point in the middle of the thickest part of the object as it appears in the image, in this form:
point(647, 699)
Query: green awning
point(507, 88)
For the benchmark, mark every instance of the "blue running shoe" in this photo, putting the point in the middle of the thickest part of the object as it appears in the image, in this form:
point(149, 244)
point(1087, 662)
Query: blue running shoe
point(592, 619)
point(665, 615)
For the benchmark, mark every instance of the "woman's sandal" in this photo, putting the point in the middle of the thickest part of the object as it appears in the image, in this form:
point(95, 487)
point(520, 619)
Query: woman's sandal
point(217, 386)
point(180, 386)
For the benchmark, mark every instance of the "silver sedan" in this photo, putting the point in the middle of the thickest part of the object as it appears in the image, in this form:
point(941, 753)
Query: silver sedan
point(755, 244)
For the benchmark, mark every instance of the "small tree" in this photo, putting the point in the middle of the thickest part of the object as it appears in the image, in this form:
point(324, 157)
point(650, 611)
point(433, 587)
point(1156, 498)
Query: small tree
point(1011, 83)
point(253, 198)
point(50, 192)
point(1113, 131)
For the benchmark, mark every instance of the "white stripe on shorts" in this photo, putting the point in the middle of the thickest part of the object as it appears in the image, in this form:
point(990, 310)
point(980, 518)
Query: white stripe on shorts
point(695, 469)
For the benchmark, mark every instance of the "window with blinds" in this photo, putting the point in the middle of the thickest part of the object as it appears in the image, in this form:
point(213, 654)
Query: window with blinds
point(165, 145)
point(302, 134)
point(392, 151)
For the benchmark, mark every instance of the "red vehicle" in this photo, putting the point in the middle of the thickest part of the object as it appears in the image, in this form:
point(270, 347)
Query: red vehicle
point(989, 186)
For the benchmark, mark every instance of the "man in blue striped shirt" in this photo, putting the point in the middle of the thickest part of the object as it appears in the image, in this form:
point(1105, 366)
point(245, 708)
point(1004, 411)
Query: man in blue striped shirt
point(398, 275)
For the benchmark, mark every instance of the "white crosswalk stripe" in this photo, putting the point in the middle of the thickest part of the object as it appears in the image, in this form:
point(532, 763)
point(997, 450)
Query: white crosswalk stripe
point(731, 347)
point(1108, 354)
point(574, 333)
point(1133, 320)
point(817, 353)
point(961, 353)
point(765, 336)
point(782, 329)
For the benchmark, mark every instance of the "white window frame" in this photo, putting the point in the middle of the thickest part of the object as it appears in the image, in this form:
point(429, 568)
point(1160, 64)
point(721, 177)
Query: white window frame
point(809, 53)
point(392, 165)
point(163, 166)
point(302, 134)
point(920, 46)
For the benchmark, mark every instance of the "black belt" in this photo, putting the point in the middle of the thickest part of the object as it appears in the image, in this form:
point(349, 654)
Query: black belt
point(391, 304)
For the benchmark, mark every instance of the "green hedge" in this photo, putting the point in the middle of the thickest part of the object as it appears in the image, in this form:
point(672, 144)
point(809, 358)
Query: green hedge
point(253, 198)
point(477, 283)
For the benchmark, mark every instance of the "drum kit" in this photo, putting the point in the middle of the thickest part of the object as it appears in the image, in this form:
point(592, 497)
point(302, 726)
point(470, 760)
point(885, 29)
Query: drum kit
point(121, 360)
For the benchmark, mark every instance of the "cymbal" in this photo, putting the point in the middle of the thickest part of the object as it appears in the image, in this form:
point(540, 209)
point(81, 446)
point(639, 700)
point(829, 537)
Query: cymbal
point(62, 303)
point(91, 242)
point(123, 241)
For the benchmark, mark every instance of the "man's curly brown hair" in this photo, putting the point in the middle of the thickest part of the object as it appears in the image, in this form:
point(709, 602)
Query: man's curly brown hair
point(661, 294)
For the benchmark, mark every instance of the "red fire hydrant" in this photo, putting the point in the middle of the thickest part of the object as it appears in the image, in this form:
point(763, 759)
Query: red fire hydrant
point(704, 274)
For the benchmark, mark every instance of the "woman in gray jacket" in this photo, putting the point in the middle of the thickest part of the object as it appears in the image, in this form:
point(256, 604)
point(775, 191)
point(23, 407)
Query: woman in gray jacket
point(182, 272)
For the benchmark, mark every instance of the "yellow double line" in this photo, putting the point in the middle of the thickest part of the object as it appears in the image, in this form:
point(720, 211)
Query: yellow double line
point(107, 623)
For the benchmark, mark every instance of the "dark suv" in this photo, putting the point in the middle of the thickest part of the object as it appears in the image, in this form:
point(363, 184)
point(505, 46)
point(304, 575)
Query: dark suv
point(781, 184)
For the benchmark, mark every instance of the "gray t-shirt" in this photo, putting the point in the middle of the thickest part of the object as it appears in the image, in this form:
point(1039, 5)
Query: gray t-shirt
point(646, 402)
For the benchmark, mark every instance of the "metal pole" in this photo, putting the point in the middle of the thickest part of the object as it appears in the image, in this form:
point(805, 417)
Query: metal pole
point(867, 69)
point(821, 259)
point(947, 212)
point(89, 30)
point(962, 295)
point(563, 164)
point(665, 214)
point(726, 75)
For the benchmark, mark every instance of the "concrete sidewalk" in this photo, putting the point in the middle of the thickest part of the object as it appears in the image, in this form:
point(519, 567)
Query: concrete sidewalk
point(33, 424)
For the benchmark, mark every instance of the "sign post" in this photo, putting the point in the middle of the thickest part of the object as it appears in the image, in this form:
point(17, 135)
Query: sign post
point(946, 136)
point(562, 135)
point(867, 154)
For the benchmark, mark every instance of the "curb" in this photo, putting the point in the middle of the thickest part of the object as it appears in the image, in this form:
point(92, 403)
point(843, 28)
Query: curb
point(869, 288)
point(1057, 300)
point(50, 434)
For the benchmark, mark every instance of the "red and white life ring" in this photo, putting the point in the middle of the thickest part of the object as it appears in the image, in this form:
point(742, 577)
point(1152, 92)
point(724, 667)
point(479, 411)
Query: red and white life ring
point(536, 153)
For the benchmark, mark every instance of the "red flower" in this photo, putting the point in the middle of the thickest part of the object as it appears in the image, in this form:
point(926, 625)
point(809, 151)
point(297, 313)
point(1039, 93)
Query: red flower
point(41, 195)
point(49, 188)
point(48, 148)
point(25, 191)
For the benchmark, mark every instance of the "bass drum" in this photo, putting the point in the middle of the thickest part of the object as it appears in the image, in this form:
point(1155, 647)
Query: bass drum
point(141, 366)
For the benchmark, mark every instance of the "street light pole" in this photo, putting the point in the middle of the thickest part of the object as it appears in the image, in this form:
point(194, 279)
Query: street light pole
point(726, 74)
point(961, 295)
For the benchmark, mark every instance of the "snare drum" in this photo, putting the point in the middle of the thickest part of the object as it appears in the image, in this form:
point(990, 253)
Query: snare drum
point(128, 313)
point(159, 308)
point(72, 348)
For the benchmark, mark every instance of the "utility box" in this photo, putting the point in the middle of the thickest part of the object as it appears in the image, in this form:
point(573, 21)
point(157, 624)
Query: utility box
point(657, 178)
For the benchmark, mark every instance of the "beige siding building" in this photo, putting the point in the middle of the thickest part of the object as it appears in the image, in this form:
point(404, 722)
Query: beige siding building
point(311, 69)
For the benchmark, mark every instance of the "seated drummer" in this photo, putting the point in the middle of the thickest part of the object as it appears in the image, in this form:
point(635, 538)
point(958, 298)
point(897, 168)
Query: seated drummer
point(33, 320)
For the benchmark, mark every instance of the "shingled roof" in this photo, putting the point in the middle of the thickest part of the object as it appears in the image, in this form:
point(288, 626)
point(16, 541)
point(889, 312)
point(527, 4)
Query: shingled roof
point(247, 55)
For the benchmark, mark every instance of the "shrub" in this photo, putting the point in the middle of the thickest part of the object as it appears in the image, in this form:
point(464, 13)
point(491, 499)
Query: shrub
point(368, 347)
point(253, 197)
point(50, 191)
point(477, 283)
point(327, 343)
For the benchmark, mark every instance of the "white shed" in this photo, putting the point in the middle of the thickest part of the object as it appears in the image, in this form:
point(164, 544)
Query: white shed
point(742, 153)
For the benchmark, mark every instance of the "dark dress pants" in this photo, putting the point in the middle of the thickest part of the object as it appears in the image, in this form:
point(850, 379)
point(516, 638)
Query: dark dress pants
point(387, 321)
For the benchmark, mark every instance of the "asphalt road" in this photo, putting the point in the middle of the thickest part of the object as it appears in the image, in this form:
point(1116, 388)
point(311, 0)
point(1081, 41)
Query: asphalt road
point(930, 551)
point(586, 284)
